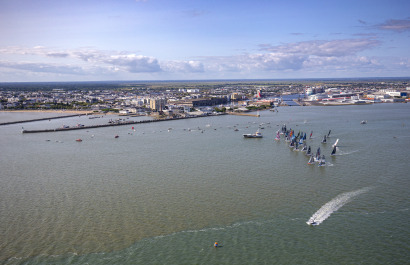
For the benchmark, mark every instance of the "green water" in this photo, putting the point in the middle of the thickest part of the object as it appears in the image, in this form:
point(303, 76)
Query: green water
point(160, 196)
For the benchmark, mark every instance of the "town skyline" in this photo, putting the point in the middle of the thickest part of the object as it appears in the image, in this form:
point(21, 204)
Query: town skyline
point(50, 41)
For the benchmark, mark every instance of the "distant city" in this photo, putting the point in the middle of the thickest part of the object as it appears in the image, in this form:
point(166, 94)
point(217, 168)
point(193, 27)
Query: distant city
point(179, 98)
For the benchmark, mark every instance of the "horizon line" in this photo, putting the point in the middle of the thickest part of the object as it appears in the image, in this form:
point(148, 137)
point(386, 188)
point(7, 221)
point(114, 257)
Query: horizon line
point(216, 80)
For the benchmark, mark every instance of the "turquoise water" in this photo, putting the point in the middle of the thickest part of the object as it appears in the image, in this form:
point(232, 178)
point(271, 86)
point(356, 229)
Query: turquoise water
point(165, 192)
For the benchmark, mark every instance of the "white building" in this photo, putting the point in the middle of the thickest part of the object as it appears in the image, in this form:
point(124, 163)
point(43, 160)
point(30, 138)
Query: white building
point(317, 97)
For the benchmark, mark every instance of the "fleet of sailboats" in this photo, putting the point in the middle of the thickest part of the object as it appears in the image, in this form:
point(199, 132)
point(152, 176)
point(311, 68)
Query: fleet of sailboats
point(298, 142)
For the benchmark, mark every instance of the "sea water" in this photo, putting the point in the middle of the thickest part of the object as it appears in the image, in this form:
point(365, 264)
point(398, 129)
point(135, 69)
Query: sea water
point(163, 193)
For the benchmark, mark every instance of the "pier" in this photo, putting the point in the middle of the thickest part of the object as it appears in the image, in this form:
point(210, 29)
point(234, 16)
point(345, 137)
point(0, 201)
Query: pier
point(113, 124)
point(244, 114)
point(44, 119)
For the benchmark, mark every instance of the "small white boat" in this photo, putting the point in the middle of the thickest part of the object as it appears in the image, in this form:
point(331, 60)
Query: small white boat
point(313, 222)
point(253, 135)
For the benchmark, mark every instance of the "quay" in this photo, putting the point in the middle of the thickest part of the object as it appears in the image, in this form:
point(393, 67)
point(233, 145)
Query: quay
point(44, 119)
point(113, 124)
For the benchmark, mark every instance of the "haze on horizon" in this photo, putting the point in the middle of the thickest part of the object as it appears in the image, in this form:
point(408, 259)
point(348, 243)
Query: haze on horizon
point(89, 40)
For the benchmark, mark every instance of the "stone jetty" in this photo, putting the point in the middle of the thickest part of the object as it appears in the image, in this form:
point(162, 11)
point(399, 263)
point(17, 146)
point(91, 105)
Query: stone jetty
point(62, 129)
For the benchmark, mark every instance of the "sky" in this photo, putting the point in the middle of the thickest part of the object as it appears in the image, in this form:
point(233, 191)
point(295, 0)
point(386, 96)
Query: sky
point(98, 40)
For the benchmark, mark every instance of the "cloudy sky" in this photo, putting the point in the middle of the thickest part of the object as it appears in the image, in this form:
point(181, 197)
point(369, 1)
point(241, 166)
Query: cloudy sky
point(93, 40)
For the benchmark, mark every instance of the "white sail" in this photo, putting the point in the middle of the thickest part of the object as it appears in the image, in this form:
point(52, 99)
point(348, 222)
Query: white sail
point(311, 160)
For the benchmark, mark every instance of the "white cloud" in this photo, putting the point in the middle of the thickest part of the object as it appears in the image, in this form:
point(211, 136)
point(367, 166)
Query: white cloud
point(313, 58)
point(399, 25)
point(301, 57)
point(342, 47)
point(58, 54)
point(43, 68)
point(183, 66)
point(346, 63)
point(134, 63)
point(277, 61)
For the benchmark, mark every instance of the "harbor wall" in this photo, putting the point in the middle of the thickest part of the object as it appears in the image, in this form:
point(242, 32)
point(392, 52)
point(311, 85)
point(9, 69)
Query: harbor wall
point(113, 124)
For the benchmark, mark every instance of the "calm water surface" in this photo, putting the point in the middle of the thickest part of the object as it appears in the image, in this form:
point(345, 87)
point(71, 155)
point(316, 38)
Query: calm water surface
point(164, 192)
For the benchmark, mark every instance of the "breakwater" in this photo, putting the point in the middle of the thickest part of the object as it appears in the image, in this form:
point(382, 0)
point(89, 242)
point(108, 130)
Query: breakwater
point(44, 119)
point(113, 124)
point(244, 114)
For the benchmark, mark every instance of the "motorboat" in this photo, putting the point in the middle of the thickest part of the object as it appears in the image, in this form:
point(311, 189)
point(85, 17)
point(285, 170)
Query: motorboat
point(253, 135)
point(313, 222)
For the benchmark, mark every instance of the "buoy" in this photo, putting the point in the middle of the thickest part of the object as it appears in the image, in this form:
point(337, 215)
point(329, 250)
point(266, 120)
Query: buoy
point(216, 244)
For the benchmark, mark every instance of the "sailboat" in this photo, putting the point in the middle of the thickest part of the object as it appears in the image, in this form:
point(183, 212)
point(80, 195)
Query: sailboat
point(324, 139)
point(317, 154)
point(322, 161)
point(277, 138)
point(304, 148)
point(335, 144)
point(309, 151)
point(334, 150)
point(311, 160)
point(329, 133)
point(311, 133)
point(283, 129)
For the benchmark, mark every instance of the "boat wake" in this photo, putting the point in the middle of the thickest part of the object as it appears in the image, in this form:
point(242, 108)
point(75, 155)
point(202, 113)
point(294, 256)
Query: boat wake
point(342, 153)
point(332, 206)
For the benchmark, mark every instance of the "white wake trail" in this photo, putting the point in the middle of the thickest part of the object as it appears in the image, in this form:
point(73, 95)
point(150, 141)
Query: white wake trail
point(332, 206)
